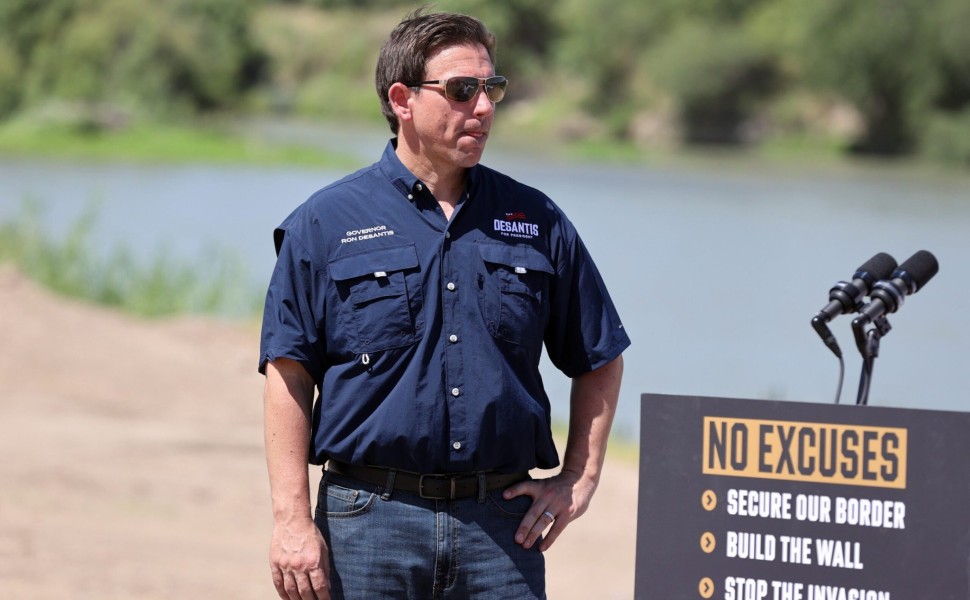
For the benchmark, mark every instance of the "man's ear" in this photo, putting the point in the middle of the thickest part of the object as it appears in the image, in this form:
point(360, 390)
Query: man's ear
point(399, 96)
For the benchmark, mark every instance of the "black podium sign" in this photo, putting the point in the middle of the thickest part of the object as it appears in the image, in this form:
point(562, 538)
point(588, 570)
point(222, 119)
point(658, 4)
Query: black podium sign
point(764, 500)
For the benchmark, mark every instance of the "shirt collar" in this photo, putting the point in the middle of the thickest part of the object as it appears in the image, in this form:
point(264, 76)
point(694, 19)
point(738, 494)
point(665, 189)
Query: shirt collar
point(407, 182)
point(400, 177)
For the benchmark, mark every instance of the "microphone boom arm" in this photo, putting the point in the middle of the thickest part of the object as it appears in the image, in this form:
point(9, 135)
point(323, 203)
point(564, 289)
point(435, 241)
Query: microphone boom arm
point(868, 343)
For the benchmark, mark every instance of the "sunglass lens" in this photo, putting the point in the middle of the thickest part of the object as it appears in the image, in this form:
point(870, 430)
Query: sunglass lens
point(495, 88)
point(461, 89)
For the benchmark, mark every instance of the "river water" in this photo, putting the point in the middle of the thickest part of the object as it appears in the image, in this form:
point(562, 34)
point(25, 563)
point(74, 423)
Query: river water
point(716, 270)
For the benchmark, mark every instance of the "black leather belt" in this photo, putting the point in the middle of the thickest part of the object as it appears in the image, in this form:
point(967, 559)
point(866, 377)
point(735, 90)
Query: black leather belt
point(432, 486)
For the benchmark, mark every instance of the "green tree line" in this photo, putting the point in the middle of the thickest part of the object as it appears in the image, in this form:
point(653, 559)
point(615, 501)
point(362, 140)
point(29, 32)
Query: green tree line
point(883, 77)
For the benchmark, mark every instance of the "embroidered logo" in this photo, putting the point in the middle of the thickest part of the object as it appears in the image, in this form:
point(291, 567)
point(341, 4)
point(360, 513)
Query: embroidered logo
point(515, 224)
point(368, 233)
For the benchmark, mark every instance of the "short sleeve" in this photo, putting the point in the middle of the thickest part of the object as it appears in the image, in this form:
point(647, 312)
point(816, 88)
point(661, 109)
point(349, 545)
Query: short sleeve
point(585, 332)
point(294, 309)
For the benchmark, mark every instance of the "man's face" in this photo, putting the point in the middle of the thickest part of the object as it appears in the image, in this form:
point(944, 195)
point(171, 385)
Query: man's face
point(453, 134)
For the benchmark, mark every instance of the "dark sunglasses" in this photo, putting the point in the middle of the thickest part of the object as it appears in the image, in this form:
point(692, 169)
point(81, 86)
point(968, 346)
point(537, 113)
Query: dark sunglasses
point(464, 89)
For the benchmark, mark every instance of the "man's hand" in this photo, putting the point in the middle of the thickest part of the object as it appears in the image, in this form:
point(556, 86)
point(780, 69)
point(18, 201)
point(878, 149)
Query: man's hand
point(558, 500)
point(300, 562)
point(555, 501)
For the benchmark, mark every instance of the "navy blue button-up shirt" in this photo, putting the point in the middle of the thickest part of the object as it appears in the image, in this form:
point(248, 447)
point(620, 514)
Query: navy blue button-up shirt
point(424, 335)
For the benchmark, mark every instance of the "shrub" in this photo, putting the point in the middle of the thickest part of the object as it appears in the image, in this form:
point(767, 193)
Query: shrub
point(946, 137)
point(717, 75)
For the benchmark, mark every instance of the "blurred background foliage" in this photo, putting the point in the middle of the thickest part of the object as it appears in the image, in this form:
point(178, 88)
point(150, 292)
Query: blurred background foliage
point(873, 77)
point(73, 265)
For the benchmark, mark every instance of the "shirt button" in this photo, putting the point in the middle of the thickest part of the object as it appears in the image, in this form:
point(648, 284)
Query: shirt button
point(455, 392)
point(451, 286)
point(419, 187)
point(453, 338)
point(456, 445)
point(410, 196)
point(448, 235)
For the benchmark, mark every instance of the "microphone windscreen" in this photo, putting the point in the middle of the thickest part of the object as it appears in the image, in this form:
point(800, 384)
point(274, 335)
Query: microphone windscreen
point(918, 269)
point(876, 268)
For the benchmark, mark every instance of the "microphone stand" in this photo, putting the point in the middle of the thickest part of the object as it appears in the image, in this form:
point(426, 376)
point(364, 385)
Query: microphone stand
point(869, 348)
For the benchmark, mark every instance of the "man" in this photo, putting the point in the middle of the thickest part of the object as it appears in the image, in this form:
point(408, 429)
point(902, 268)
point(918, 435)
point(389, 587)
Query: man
point(414, 297)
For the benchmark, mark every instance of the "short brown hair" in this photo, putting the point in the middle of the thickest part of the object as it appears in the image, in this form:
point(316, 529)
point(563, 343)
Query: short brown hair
point(405, 53)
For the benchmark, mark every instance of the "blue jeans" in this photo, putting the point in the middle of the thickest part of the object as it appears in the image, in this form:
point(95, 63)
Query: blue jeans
point(407, 547)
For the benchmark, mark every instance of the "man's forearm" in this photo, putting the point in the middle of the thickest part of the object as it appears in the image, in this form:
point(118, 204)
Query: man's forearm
point(287, 400)
point(592, 407)
point(298, 554)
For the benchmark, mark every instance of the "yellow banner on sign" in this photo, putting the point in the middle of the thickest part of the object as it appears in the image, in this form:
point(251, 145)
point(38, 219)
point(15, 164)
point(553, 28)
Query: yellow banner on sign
point(813, 452)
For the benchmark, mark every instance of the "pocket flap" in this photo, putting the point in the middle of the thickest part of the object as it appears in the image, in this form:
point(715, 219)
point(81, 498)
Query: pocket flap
point(519, 259)
point(376, 263)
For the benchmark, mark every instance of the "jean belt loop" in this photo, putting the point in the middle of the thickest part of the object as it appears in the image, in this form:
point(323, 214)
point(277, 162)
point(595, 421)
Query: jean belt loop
point(481, 488)
point(389, 486)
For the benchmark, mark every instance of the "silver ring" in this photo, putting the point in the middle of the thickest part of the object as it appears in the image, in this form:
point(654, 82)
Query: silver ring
point(551, 516)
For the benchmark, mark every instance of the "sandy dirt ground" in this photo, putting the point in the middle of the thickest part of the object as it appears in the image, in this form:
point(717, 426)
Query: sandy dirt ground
point(132, 464)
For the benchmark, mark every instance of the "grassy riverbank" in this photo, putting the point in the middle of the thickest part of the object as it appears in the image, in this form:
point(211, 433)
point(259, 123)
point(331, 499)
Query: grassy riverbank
point(237, 141)
point(203, 142)
point(160, 286)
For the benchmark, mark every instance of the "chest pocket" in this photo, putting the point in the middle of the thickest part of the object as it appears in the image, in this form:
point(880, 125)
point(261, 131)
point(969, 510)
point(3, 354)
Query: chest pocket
point(381, 298)
point(513, 292)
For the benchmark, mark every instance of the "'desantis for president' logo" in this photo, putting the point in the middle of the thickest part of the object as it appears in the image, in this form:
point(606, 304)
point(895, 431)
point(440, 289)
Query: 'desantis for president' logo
point(515, 225)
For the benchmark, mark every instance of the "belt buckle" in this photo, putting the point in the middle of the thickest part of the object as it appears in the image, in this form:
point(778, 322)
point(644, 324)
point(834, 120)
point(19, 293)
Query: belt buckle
point(421, 493)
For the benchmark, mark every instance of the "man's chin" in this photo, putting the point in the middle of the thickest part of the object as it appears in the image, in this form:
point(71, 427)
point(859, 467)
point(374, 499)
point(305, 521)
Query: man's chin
point(469, 155)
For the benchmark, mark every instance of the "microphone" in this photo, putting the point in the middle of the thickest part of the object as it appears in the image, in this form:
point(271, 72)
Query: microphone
point(847, 296)
point(888, 295)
